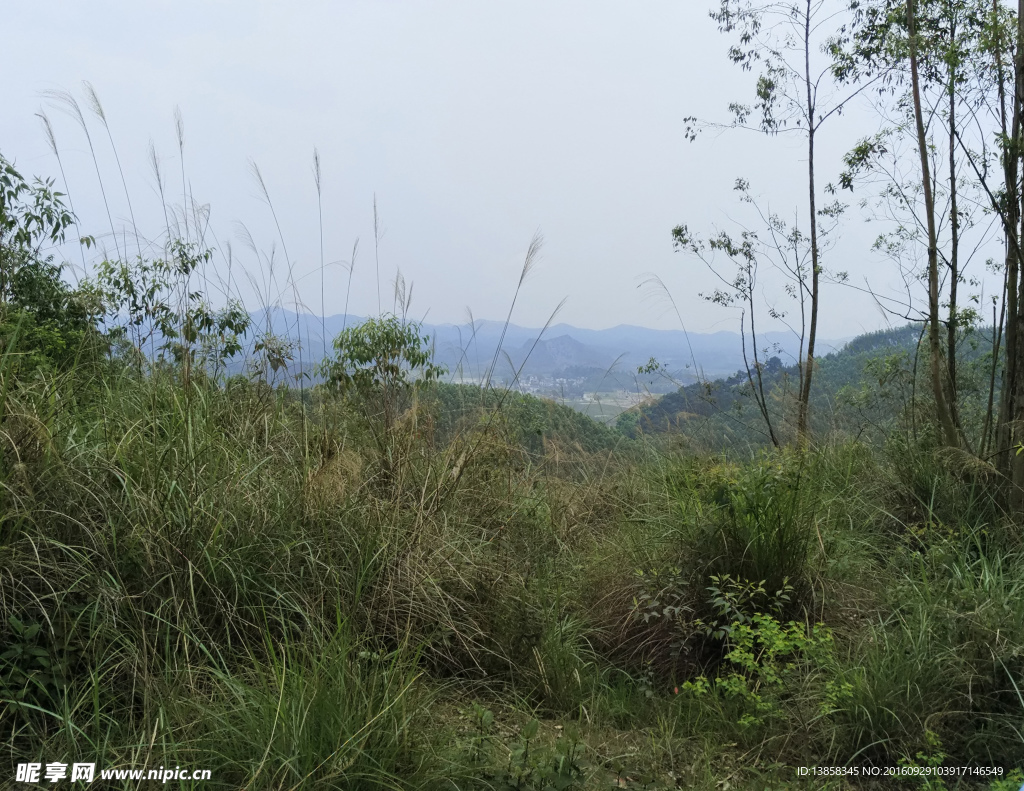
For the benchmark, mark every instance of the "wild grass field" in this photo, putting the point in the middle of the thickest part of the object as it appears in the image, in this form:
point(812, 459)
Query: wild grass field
point(381, 580)
point(227, 576)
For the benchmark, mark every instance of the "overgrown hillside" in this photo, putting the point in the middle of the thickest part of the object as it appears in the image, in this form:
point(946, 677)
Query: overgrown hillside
point(539, 424)
point(385, 582)
point(863, 390)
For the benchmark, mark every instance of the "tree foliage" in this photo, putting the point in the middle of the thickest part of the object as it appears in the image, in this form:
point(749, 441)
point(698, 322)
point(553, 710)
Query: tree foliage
point(44, 322)
point(380, 361)
point(151, 303)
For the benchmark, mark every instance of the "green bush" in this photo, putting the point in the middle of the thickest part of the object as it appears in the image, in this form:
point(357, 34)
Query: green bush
point(45, 324)
point(764, 528)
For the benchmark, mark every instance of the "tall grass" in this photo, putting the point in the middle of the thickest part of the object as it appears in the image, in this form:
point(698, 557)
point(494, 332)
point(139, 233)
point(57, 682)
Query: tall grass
point(229, 573)
point(214, 587)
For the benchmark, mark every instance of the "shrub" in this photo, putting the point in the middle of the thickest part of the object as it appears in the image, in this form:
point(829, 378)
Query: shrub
point(380, 361)
point(764, 529)
point(44, 323)
point(764, 672)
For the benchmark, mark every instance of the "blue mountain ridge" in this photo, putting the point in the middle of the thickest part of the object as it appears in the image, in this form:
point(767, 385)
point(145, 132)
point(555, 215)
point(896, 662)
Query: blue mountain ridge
point(531, 352)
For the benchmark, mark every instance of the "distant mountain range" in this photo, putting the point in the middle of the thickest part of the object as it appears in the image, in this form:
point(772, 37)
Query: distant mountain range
point(468, 351)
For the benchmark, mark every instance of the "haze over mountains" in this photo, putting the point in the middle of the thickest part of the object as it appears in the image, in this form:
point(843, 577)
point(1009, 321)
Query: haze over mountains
point(559, 351)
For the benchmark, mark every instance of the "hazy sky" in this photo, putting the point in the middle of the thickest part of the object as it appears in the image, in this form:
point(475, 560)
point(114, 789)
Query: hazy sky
point(476, 124)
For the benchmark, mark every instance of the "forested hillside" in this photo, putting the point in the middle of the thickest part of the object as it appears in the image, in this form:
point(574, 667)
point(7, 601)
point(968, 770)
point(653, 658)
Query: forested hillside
point(864, 390)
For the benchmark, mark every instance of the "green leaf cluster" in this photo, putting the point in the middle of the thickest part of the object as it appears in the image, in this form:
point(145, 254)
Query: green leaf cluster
point(150, 302)
point(384, 354)
point(45, 324)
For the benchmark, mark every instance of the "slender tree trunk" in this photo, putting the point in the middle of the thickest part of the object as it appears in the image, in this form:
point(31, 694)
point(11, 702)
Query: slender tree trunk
point(954, 225)
point(1016, 314)
point(947, 426)
point(807, 364)
point(758, 389)
point(1007, 432)
point(998, 439)
point(997, 337)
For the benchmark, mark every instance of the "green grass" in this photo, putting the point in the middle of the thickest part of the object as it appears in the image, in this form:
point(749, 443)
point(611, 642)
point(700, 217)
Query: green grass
point(232, 579)
point(450, 587)
point(438, 586)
